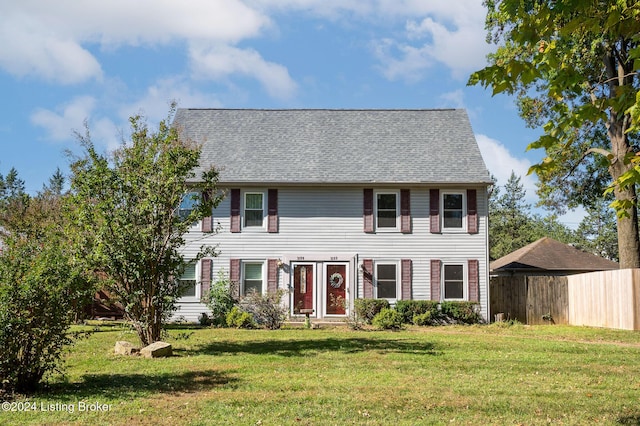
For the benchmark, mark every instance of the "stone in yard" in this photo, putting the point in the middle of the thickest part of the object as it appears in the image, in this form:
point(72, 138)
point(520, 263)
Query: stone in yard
point(156, 350)
point(125, 348)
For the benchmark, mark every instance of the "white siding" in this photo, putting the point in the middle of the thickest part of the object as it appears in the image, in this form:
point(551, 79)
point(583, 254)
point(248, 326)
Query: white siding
point(319, 222)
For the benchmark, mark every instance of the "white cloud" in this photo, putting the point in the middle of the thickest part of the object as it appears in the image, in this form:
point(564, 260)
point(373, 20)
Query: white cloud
point(49, 39)
point(452, 34)
point(220, 61)
point(501, 163)
point(154, 104)
point(61, 124)
point(453, 99)
point(34, 52)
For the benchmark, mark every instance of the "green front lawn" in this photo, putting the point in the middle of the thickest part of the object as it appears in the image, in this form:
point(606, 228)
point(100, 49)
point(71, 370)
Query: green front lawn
point(441, 375)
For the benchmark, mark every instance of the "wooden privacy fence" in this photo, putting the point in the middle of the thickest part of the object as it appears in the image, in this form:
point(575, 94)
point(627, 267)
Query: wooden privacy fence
point(530, 299)
point(599, 299)
point(605, 299)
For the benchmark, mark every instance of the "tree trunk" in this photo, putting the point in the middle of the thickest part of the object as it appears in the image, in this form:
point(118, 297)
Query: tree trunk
point(628, 238)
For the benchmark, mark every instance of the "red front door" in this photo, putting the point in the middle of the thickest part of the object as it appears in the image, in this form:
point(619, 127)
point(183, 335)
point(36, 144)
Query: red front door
point(336, 289)
point(303, 284)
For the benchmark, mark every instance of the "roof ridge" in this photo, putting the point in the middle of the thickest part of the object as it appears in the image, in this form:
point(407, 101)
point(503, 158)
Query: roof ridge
point(324, 109)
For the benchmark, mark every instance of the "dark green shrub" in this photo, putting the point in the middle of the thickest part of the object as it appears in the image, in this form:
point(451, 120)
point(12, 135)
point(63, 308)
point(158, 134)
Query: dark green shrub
point(409, 309)
point(387, 319)
point(220, 300)
point(239, 319)
point(461, 312)
point(266, 309)
point(366, 309)
point(40, 292)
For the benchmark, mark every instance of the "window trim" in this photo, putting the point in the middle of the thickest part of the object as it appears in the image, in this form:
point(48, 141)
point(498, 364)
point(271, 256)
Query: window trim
point(396, 264)
point(463, 194)
point(198, 286)
point(243, 210)
point(263, 276)
point(465, 281)
point(396, 193)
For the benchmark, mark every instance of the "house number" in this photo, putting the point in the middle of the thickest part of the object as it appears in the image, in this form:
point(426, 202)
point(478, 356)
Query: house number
point(334, 257)
point(300, 257)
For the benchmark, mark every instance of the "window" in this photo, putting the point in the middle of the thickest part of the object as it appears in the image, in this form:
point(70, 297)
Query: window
point(188, 281)
point(386, 210)
point(189, 202)
point(252, 278)
point(253, 209)
point(386, 281)
point(453, 282)
point(453, 210)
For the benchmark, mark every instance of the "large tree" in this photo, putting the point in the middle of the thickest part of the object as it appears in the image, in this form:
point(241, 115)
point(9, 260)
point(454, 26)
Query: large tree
point(573, 66)
point(125, 209)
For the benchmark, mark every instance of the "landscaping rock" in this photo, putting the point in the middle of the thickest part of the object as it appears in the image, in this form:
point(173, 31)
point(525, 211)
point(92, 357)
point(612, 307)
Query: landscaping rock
point(157, 350)
point(125, 348)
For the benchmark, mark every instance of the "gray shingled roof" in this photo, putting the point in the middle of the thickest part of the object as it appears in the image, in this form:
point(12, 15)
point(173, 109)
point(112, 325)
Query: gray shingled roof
point(336, 146)
point(547, 254)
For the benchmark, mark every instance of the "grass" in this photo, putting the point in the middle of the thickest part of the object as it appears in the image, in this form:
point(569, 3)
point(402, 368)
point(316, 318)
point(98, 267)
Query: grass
point(443, 375)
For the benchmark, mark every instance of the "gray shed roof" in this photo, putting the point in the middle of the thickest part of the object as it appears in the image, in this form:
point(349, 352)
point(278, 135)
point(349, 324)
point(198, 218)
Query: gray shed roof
point(547, 254)
point(319, 146)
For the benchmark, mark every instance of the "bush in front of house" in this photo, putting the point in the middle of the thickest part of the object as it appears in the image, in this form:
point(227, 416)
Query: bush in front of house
point(410, 309)
point(367, 309)
point(220, 299)
point(424, 319)
point(266, 309)
point(388, 319)
point(461, 312)
point(238, 318)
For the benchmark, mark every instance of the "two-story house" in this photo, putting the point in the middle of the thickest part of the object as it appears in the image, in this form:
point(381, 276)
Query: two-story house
point(334, 205)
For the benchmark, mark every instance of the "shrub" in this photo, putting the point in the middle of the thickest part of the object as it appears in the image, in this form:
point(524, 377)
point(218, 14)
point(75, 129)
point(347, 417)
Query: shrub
point(387, 319)
point(40, 292)
point(204, 319)
point(267, 311)
point(461, 312)
point(220, 300)
point(367, 309)
point(239, 319)
point(426, 318)
point(409, 309)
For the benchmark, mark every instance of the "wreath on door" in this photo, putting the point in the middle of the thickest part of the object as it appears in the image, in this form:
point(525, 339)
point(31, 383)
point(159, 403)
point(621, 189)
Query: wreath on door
point(336, 280)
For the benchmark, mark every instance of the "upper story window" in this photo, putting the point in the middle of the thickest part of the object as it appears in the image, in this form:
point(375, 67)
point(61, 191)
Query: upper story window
point(252, 280)
point(386, 281)
point(454, 282)
point(189, 202)
point(453, 210)
point(188, 281)
point(253, 209)
point(386, 210)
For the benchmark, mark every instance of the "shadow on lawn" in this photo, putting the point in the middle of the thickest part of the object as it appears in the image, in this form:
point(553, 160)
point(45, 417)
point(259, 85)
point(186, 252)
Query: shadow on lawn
point(122, 386)
point(629, 420)
point(295, 348)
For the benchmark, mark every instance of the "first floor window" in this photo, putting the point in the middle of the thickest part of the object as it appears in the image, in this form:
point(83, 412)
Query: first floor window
point(252, 281)
point(188, 281)
point(386, 280)
point(253, 209)
point(453, 282)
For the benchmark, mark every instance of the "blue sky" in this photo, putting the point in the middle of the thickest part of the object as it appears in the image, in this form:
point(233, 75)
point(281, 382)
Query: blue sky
point(66, 62)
